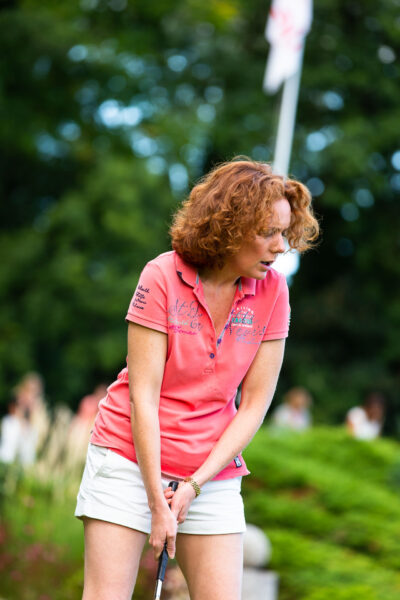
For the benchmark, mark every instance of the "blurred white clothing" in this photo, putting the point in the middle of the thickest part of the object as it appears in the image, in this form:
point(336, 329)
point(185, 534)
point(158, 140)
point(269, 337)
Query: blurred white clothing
point(18, 441)
point(286, 416)
point(362, 427)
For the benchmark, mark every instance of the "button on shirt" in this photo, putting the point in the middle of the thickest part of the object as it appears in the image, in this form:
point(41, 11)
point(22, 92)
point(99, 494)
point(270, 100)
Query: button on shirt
point(202, 373)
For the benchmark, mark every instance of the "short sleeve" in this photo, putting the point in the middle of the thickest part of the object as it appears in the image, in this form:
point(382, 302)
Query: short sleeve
point(148, 306)
point(278, 324)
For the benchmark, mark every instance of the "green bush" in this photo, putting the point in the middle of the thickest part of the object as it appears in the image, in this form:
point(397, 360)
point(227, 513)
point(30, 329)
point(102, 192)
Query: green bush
point(329, 505)
point(41, 542)
point(307, 566)
point(41, 546)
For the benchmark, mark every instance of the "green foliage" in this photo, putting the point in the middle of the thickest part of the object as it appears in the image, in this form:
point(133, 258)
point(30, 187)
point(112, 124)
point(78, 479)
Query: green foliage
point(41, 542)
point(329, 505)
point(311, 569)
point(91, 253)
point(112, 110)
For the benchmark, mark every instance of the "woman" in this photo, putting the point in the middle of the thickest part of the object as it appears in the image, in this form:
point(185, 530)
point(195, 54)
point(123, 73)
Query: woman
point(205, 317)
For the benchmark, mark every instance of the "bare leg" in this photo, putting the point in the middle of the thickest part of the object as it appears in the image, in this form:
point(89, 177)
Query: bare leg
point(212, 565)
point(112, 555)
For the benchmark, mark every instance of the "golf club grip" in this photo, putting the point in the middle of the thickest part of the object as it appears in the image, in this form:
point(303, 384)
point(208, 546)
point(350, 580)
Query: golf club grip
point(162, 561)
point(173, 485)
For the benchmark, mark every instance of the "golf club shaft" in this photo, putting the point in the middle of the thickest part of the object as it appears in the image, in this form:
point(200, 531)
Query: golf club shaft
point(162, 561)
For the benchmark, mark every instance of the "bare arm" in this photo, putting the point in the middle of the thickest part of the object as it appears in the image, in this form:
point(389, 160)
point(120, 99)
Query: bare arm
point(147, 351)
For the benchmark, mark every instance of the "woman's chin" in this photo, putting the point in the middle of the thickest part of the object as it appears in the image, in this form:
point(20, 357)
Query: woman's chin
point(260, 273)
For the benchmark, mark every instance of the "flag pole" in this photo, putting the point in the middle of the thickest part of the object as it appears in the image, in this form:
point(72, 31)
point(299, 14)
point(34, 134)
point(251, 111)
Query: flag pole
point(288, 24)
point(287, 119)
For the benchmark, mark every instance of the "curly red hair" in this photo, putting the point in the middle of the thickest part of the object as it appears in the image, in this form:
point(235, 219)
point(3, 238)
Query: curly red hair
point(232, 204)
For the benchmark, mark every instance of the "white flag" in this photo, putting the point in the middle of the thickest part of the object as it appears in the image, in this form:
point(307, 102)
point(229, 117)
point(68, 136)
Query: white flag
point(288, 23)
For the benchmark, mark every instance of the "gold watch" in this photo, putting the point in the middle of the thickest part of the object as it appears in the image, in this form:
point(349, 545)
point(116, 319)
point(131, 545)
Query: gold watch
point(194, 485)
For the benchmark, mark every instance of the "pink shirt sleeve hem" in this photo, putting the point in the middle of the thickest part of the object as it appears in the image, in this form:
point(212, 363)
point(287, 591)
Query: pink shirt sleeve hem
point(279, 335)
point(146, 323)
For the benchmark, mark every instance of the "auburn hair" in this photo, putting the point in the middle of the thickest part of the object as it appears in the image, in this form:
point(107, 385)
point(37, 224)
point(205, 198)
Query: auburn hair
point(231, 205)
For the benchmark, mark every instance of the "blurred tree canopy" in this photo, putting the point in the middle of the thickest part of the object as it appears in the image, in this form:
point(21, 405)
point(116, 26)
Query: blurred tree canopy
point(112, 109)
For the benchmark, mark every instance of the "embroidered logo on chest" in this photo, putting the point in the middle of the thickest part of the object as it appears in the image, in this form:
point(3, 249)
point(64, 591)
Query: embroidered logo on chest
point(242, 316)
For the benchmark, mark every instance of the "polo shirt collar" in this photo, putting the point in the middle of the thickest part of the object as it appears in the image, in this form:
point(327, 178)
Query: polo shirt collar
point(189, 274)
point(186, 271)
point(248, 286)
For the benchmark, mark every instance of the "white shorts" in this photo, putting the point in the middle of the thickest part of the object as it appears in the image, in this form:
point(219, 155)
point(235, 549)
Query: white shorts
point(112, 489)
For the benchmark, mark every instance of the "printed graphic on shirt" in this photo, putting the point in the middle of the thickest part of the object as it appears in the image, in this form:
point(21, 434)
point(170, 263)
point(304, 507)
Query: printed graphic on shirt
point(242, 316)
point(185, 317)
point(139, 299)
point(244, 326)
point(246, 335)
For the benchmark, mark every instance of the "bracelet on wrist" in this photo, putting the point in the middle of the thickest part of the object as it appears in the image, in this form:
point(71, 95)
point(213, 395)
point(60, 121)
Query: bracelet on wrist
point(194, 485)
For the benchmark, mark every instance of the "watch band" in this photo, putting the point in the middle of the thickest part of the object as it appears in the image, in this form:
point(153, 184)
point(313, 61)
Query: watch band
point(194, 485)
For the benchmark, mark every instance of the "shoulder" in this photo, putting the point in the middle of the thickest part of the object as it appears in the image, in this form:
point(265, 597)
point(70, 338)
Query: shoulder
point(156, 274)
point(276, 277)
point(164, 261)
point(273, 284)
point(161, 267)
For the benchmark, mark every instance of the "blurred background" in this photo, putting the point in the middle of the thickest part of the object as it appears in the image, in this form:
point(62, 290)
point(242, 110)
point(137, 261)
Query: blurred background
point(110, 112)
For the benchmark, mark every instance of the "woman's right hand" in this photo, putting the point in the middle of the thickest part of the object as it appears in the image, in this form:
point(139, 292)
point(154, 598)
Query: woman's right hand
point(164, 528)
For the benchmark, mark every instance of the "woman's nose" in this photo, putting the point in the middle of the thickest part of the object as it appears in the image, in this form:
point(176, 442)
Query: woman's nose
point(279, 246)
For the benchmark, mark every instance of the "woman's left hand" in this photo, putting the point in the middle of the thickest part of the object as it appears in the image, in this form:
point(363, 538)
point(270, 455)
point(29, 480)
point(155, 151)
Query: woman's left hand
point(180, 500)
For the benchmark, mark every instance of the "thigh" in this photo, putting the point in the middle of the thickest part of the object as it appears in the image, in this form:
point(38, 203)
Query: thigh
point(112, 555)
point(212, 565)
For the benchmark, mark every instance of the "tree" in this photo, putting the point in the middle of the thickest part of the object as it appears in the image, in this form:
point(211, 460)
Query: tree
point(115, 108)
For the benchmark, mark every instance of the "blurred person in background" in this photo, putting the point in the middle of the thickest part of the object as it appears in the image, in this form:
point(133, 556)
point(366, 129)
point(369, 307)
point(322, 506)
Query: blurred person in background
point(27, 425)
point(19, 437)
point(31, 399)
point(81, 426)
point(204, 317)
point(11, 434)
point(294, 412)
point(365, 422)
point(88, 406)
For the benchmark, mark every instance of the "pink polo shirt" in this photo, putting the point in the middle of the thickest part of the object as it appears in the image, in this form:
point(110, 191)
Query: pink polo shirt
point(202, 372)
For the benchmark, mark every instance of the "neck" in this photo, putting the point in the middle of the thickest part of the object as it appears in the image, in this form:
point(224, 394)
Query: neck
point(225, 277)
